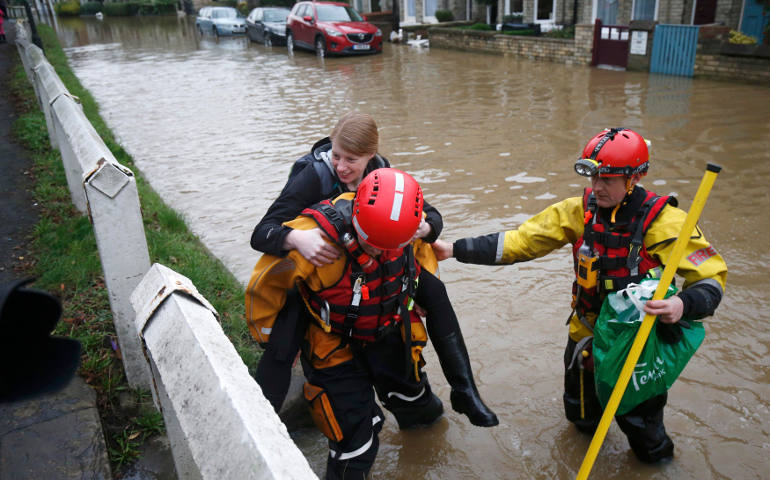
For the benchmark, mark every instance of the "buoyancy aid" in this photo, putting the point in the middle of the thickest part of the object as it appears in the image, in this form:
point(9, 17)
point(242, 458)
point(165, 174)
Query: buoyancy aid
point(620, 253)
point(373, 296)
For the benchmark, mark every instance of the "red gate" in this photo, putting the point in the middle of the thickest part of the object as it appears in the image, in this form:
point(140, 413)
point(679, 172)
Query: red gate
point(610, 45)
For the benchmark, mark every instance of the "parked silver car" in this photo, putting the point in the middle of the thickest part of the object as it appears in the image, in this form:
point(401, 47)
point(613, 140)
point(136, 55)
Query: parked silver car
point(220, 21)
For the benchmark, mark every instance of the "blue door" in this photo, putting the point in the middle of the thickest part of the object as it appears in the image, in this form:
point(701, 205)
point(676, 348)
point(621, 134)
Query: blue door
point(754, 20)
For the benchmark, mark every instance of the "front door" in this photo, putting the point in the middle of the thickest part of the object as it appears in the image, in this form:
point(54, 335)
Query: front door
point(705, 12)
point(607, 11)
point(754, 20)
point(610, 45)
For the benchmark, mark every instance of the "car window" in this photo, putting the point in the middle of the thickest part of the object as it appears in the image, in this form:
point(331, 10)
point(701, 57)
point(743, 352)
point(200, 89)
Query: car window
point(303, 10)
point(276, 16)
point(224, 13)
point(337, 13)
point(252, 15)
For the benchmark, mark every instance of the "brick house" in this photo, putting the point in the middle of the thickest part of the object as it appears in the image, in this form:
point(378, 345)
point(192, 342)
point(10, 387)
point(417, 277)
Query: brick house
point(744, 15)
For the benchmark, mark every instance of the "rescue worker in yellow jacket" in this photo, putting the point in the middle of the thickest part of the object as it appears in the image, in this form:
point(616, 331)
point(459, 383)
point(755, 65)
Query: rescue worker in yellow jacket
point(619, 232)
point(363, 331)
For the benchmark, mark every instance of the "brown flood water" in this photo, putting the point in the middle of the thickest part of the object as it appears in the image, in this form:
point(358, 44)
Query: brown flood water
point(215, 125)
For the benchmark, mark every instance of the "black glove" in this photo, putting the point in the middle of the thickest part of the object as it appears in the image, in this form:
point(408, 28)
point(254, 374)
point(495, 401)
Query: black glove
point(671, 332)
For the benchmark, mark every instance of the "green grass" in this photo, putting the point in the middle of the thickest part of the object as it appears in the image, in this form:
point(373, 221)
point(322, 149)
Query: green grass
point(66, 262)
point(478, 26)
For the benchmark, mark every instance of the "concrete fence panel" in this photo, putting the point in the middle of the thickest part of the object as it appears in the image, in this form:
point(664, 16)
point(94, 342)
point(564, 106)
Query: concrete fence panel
point(49, 87)
point(218, 422)
point(81, 148)
point(34, 58)
point(113, 203)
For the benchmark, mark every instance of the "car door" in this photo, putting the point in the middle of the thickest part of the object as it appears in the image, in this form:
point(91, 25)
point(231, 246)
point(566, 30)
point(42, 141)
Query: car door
point(259, 26)
point(303, 35)
point(201, 19)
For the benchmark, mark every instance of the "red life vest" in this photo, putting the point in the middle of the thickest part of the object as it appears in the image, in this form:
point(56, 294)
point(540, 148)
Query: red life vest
point(623, 257)
point(373, 296)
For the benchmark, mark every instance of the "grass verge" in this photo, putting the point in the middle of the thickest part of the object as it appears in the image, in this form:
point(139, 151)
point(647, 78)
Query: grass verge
point(66, 261)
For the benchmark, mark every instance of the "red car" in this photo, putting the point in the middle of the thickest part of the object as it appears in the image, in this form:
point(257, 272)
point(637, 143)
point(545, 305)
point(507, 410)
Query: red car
point(331, 28)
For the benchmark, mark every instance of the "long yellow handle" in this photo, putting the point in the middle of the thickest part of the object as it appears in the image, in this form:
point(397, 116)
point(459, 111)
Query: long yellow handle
point(649, 320)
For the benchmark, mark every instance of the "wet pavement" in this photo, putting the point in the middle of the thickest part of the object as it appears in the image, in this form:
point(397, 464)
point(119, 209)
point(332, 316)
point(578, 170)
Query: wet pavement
point(214, 126)
point(58, 435)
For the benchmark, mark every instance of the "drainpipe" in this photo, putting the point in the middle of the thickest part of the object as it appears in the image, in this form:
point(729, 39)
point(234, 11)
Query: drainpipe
point(396, 15)
point(574, 12)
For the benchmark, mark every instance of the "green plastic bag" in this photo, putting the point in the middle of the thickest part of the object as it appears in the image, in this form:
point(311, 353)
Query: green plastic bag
point(660, 363)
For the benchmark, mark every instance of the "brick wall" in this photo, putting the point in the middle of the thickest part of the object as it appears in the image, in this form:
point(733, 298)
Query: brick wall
point(567, 51)
point(719, 59)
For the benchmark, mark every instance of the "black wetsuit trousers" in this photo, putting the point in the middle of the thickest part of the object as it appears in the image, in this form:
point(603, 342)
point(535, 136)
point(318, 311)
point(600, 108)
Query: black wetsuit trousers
point(643, 425)
point(274, 368)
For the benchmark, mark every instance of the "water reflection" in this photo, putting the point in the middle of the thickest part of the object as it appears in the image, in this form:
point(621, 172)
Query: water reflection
point(214, 125)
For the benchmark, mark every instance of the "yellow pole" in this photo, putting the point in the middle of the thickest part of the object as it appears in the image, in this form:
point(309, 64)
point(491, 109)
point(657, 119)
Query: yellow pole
point(649, 320)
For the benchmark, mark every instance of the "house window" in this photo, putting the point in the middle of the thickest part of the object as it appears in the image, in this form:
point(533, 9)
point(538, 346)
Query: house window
point(607, 11)
point(644, 10)
point(544, 10)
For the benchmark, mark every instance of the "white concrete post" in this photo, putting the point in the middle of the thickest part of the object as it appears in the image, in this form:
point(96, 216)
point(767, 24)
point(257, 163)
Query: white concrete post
point(50, 87)
point(113, 205)
point(218, 422)
point(22, 42)
point(81, 147)
point(35, 58)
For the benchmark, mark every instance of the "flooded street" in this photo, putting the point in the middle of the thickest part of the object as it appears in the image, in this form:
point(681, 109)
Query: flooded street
point(215, 125)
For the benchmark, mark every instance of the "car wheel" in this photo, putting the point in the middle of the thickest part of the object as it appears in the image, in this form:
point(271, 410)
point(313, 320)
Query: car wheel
point(290, 42)
point(320, 46)
point(268, 40)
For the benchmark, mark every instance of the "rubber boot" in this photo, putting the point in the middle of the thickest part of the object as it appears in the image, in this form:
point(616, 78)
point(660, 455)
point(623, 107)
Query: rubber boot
point(456, 365)
point(411, 416)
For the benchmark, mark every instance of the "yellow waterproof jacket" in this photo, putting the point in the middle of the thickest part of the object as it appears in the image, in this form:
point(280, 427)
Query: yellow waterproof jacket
point(273, 276)
point(562, 223)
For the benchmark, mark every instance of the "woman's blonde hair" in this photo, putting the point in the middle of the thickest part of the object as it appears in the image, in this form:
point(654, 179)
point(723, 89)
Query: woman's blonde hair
point(357, 133)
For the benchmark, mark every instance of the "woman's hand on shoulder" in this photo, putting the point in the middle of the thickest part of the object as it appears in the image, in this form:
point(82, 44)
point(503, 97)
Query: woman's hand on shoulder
point(423, 230)
point(442, 249)
point(312, 244)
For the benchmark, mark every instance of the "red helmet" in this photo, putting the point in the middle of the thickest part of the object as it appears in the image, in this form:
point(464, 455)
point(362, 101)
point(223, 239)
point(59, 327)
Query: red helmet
point(614, 152)
point(387, 209)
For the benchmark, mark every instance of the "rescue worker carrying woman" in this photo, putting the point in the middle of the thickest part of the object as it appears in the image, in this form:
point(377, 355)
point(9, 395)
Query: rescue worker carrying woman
point(362, 329)
point(335, 165)
point(619, 233)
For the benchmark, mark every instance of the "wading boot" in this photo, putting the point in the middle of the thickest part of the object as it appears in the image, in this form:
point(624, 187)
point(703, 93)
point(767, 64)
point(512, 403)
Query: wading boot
point(412, 416)
point(456, 365)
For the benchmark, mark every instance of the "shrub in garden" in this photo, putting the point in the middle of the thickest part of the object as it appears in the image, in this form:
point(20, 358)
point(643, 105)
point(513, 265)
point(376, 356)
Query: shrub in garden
point(90, 8)
point(69, 8)
point(122, 9)
point(741, 39)
point(444, 15)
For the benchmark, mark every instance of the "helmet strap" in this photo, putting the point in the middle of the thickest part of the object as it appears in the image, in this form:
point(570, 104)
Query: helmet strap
point(629, 189)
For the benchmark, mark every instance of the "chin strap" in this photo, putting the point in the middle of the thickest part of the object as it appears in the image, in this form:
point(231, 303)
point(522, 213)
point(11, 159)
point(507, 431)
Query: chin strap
point(629, 189)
